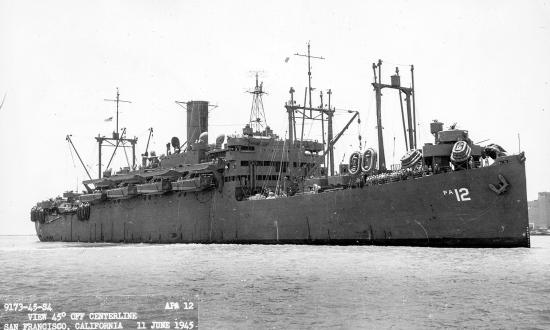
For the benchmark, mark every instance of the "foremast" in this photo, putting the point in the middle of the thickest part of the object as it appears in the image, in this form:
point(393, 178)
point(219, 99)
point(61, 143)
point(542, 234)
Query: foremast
point(117, 140)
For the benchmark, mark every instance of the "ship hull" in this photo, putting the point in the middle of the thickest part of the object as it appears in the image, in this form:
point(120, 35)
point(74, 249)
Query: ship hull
point(454, 209)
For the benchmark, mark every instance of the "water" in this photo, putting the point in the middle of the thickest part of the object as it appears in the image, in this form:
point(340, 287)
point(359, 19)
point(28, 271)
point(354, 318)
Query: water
point(288, 286)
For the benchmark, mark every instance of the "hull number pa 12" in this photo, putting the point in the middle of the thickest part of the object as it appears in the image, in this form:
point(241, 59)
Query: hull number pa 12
point(461, 194)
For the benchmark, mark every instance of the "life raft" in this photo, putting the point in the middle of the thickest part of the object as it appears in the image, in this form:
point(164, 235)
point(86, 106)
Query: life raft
point(368, 162)
point(461, 152)
point(494, 151)
point(411, 158)
point(355, 163)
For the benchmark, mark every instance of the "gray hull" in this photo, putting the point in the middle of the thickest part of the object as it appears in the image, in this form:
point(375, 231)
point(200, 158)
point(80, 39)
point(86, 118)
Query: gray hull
point(425, 211)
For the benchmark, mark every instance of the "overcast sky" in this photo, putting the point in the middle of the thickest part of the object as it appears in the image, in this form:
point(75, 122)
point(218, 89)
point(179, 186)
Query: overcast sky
point(482, 64)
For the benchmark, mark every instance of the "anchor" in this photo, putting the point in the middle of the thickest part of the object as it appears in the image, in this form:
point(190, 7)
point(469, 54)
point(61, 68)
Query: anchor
point(502, 186)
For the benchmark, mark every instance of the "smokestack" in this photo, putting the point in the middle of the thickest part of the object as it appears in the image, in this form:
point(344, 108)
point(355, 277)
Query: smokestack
point(197, 120)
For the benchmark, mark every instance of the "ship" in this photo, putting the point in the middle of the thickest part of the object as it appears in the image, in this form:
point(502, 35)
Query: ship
point(260, 188)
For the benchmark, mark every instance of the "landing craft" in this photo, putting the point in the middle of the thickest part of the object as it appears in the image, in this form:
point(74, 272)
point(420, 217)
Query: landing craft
point(257, 187)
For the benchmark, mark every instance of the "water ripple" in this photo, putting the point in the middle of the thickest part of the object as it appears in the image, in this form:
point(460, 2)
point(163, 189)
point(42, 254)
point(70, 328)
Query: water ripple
point(289, 286)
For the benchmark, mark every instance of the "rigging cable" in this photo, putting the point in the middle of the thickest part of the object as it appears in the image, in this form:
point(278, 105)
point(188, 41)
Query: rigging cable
point(264, 186)
point(126, 154)
point(96, 147)
point(72, 157)
point(277, 189)
point(359, 130)
point(74, 166)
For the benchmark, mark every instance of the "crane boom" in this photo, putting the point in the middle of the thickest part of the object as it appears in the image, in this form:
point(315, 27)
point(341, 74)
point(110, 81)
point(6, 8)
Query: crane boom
point(68, 138)
point(339, 135)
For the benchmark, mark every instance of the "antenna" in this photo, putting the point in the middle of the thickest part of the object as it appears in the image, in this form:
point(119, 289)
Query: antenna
point(117, 100)
point(257, 114)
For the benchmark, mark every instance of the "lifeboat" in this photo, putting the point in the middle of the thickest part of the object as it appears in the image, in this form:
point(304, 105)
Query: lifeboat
point(461, 152)
point(368, 162)
point(355, 163)
point(122, 192)
point(97, 196)
point(156, 187)
point(197, 183)
point(411, 158)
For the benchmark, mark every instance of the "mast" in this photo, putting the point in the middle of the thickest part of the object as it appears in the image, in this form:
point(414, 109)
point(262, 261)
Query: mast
point(410, 121)
point(291, 125)
point(395, 84)
point(414, 104)
point(99, 141)
point(378, 88)
point(323, 130)
point(117, 100)
point(402, 114)
point(117, 140)
point(309, 73)
point(303, 117)
point(257, 115)
point(321, 113)
point(329, 135)
point(308, 92)
point(309, 57)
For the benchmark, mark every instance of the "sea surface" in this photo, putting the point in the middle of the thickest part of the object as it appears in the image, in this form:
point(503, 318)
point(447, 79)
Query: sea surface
point(295, 287)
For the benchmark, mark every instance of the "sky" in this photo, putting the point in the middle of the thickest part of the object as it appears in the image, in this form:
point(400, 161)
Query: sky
point(481, 64)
